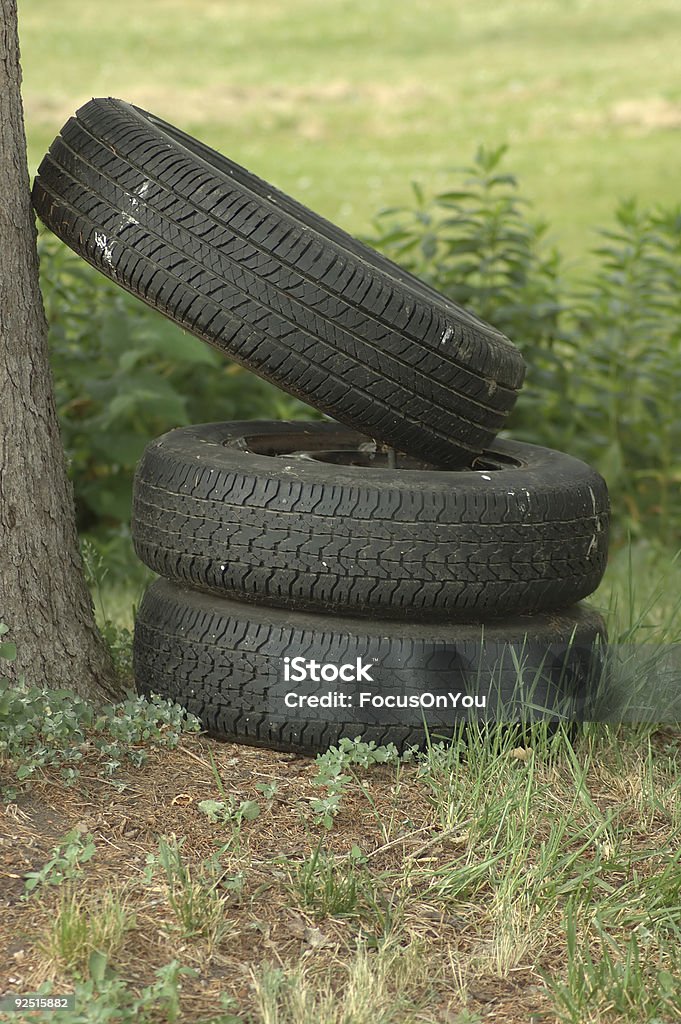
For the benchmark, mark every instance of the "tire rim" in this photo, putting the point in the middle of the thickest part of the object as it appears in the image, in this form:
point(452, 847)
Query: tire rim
point(365, 455)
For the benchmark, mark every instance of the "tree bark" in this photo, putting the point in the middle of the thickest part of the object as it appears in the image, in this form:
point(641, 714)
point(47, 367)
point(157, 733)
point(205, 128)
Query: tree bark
point(44, 598)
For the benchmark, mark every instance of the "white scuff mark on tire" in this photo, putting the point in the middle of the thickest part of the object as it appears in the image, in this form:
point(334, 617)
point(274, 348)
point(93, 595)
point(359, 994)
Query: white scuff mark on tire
point(105, 248)
point(597, 522)
point(130, 205)
point(127, 218)
point(142, 189)
point(599, 526)
point(449, 332)
point(524, 506)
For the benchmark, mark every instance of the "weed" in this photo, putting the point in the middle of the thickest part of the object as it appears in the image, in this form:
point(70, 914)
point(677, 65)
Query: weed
point(332, 775)
point(68, 856)
point(105, 997)
point(42, 727)
point(268, 789)
point(231, 811)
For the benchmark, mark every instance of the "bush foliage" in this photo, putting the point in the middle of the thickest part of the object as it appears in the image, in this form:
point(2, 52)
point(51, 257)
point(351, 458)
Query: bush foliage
point(603, 353)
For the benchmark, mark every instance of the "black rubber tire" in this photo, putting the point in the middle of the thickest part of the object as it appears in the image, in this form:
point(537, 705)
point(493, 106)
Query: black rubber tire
point(273, 285)
point(224, 662)
point(210, 512)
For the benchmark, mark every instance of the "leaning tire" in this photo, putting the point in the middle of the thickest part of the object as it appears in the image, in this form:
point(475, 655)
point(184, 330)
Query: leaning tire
point(230, 508)
point(225, 662)
point(276, 287)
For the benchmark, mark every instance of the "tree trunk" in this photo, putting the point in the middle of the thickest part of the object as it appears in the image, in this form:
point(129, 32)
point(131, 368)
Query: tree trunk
point(43, 595)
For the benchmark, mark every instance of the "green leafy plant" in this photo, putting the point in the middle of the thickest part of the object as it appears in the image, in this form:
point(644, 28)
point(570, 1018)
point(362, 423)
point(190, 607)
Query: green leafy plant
point(231, 811)
point(228, 811)
point(66, 861)
point(475, 243)
point(42, 727)
point(268, 789)
point(626, 321)
point(105, 997)
point(332, 772)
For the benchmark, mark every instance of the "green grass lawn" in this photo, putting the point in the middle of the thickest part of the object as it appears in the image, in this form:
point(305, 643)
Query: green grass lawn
point(343, 103)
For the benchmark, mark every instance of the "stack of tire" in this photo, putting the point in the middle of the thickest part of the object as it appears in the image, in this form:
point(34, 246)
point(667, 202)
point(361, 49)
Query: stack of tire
point(377, 575)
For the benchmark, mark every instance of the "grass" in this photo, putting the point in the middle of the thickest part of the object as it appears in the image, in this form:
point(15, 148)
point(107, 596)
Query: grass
point(197, 903)
point(360, 990)
point(640, 593)
point(511, 883)
point(84, 923)
point(342, 104)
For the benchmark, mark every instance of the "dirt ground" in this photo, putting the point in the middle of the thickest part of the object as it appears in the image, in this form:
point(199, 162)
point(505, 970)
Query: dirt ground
point(394, 826)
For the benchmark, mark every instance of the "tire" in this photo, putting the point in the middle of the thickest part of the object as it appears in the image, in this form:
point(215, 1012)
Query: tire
point(224, 662)
point(212, 510)
point(274, 286)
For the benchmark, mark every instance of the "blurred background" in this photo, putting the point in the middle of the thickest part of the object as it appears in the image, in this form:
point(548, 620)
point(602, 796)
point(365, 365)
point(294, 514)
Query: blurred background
point(527, 154)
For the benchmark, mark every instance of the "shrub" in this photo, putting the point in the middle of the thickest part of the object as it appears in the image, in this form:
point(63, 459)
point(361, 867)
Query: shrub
point(626, 321)
point(603, 354)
